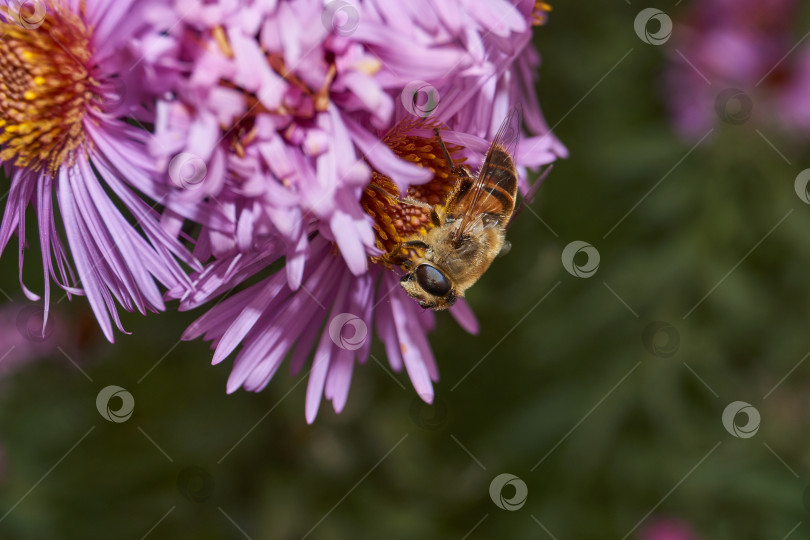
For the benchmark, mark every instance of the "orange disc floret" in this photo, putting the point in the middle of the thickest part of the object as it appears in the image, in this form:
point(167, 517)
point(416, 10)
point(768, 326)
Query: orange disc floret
point(394, 221)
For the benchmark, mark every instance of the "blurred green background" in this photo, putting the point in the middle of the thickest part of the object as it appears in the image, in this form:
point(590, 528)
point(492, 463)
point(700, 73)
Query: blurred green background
point(567, 394)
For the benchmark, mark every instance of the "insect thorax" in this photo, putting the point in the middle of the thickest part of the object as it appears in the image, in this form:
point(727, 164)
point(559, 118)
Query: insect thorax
point(467, 254)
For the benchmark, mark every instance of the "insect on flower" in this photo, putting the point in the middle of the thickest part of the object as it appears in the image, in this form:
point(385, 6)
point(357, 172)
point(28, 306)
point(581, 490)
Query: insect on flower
point(469, 228)
point(290, 119)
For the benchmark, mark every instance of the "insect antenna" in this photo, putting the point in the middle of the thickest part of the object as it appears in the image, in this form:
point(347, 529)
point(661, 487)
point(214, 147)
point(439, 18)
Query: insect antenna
point(444, 148)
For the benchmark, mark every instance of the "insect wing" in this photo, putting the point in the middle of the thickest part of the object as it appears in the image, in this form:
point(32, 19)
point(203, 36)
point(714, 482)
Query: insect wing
point(493, 192)
point(529, 196)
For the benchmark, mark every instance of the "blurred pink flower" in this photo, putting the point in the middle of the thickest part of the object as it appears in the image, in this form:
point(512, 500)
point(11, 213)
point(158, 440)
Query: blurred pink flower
point(276, 112)
point(667, 529)
point(24, 336)
point(732, 60)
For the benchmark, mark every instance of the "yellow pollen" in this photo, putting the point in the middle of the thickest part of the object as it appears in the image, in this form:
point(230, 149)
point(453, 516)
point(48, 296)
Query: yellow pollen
point(540, 13)
point(395, 222)
point(45, 90)
point(222, 41)
point(369, 66)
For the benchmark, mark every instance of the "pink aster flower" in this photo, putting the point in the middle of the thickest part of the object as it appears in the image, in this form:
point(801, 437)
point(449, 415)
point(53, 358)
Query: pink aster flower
point(282, 114)
point(733, 61)
point(68, 151)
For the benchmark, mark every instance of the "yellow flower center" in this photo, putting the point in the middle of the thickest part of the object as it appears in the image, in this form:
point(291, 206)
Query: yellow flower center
point(45, 88)
point(395, 222)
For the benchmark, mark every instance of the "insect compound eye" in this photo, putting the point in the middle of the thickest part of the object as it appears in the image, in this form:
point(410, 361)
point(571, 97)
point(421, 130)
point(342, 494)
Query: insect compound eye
point(432, 280)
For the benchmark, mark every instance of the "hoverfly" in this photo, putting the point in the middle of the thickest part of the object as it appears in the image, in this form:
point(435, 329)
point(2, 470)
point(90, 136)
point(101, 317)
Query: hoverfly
point(469, 228)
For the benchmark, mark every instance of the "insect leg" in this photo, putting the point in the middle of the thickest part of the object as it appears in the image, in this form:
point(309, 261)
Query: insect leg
point(444, 149)
point(398, 258)
point(402, 200)
point(419, 244)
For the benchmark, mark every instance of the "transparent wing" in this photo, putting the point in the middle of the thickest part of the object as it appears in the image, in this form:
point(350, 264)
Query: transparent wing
point(484, 198)
point(528, 198)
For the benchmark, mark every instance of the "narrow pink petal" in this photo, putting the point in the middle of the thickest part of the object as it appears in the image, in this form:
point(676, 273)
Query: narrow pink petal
point(350, 245)
point(303, 348)
point(69, 218)
point(247, 318)
point(317, 377)
point(384, 321)
point(414, 363)
point(282, 322)
point(340, 379)
point(465, 317)
point(402, 172)
point(216, 319)
point(296, 259)
point(323, 355)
